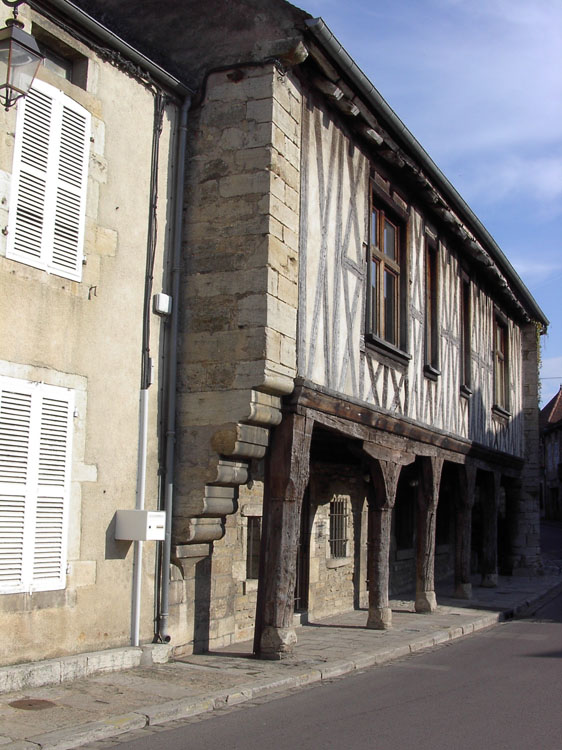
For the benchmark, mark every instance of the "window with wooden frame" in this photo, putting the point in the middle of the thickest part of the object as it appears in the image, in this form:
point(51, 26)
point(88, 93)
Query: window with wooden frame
point(466, 334)
point(49, 177)
point(501, 364)
point(339, 526)
point(431, 310)
point(386, 273)
point(35, 460)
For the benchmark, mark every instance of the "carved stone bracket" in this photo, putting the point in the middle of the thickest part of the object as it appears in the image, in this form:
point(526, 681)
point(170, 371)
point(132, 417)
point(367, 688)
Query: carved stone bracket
point(235, 445)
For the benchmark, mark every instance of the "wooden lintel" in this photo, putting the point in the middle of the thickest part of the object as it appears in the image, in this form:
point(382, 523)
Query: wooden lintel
point(381, 453)
point(363, 423)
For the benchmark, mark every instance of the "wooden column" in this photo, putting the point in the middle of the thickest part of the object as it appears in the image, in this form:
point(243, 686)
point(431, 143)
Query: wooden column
point(286, 477)
point(428, 497)
point(384, 475)
point(463, 530)
point(490, 503)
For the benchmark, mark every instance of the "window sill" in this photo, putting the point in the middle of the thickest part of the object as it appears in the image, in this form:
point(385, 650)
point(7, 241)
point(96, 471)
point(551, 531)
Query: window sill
point(431, 372)
point(338, 562)
point(466, 392)
point(500, 413)
point(389, 350)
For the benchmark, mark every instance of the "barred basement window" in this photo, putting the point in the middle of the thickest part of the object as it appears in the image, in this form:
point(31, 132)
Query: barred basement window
point(253, 540)
point(339, 523)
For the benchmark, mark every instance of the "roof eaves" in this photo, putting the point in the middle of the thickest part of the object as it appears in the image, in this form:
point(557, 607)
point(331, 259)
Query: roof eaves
point(69, 10)
point(341, 57)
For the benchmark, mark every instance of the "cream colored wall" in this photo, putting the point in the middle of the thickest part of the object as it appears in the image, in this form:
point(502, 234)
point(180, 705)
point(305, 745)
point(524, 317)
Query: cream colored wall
point(332, 352)
point(87, 336)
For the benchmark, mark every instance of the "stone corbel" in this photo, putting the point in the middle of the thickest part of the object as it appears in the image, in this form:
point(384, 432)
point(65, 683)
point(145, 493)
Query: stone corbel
point(235, 446)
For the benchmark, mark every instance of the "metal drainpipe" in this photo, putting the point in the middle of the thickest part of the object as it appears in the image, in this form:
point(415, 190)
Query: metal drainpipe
point(172, 377)
point(139, 505)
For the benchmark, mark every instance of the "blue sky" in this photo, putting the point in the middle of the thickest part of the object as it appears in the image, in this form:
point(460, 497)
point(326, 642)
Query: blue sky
point(479, 84)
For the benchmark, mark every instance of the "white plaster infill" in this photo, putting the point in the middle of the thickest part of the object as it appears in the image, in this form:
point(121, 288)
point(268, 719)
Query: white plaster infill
point(74, 667)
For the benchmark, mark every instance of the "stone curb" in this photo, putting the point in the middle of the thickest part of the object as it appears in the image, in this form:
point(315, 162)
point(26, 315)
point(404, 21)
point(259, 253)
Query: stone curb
point(174, 710)
point(531, 605)
point(70, 737)
point(76, 667)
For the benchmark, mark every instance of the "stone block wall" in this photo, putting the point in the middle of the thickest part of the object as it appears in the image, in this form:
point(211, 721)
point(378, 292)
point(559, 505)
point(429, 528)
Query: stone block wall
point(336, 584)
point(237, 351)
point(526, 548)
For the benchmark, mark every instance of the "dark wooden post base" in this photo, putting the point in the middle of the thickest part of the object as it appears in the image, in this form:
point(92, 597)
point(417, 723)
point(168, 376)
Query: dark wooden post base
point(384, 476)
point(463, 531)
point(490, 531)
point(287, 472)
point(428, 497)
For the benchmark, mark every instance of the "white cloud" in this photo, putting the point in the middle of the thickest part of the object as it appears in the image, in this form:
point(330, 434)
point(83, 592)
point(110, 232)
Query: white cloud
point(470, 75)
point(502, 175)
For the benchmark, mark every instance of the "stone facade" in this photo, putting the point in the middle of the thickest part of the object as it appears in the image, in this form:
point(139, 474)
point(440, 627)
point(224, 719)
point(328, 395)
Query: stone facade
point(551, 452)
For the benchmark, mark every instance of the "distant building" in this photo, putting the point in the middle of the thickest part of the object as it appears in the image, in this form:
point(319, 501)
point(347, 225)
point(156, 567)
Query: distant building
point(551, 440)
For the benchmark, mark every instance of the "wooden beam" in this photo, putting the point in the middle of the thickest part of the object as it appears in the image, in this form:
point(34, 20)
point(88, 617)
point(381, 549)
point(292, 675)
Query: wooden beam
point(286, 477)
point(305, 399)
point(428, 497)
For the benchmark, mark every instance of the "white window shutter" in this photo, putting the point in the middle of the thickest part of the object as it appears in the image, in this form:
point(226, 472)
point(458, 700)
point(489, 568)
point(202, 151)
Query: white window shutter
point(35, 460)
point(49, 560)
point(48, 199)
point(15, 431)
point(29, 180)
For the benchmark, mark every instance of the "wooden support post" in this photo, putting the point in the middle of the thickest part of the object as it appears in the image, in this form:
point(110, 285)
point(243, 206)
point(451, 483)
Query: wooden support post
point(490, 531)
point(463, 530)
point(428, 497)
point(286, 477)
point(384, 475)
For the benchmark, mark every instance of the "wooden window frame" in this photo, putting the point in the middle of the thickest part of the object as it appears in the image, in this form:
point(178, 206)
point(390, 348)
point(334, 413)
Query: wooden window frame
point(466, 337)
point(501, 365)
point(431, 309)
point(46, 222)
point(36, 423)
point(383, 211)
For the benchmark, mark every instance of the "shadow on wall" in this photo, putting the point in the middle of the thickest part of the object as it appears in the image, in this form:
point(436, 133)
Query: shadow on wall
point(507, 436)
point(202, 605)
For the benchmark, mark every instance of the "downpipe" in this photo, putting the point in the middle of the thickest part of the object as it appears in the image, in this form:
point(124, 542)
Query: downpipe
point(139, 505)
point(163, 616)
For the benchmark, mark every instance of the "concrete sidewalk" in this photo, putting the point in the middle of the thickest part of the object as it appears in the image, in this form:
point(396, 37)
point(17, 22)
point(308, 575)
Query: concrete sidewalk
point(77, 712)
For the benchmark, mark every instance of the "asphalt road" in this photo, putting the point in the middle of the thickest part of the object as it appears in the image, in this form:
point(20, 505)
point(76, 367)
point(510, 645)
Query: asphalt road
point(498, 689)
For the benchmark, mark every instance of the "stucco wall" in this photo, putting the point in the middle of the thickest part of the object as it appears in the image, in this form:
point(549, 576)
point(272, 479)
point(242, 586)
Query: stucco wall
point(87, 336)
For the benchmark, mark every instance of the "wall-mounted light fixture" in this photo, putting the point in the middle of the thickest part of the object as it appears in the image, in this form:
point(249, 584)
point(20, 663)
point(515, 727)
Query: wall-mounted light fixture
point(19, 58)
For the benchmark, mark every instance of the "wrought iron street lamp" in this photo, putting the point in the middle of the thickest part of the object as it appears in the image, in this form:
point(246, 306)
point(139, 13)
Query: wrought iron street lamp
point(19, 58)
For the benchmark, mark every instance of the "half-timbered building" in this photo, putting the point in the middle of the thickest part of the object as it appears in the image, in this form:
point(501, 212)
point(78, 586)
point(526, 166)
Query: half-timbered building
point(352, 358)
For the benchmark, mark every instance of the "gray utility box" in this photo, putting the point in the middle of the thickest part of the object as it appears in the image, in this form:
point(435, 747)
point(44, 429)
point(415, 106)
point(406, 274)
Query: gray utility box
point(140, 525)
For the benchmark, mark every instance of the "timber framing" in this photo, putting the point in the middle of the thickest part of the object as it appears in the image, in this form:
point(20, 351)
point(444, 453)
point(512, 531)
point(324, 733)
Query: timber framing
point(386, 136)
point(394, 434)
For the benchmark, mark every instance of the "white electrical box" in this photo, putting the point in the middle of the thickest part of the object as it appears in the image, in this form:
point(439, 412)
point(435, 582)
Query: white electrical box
point(140, 525)
point(162, 304)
